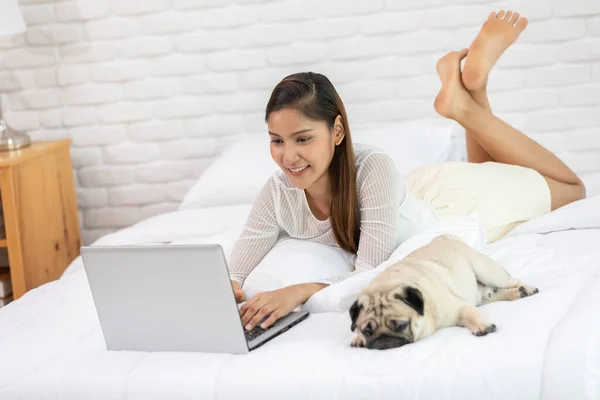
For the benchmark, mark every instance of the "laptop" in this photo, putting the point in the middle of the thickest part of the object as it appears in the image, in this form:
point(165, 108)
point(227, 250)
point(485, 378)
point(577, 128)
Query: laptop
point(156, 297)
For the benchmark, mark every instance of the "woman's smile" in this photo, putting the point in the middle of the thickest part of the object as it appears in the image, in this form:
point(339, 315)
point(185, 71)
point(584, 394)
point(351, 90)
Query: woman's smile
point(298, 171)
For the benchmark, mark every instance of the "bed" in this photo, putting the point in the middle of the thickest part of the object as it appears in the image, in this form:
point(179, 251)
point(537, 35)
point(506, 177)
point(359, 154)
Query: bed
point(546, 346)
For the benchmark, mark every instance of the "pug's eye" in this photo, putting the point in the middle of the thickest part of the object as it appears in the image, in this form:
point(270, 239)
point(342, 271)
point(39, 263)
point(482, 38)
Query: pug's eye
point(368, 330)
point(397, 325)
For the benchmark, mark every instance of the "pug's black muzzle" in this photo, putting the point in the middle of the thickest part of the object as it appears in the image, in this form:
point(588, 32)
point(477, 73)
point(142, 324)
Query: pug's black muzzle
point(384, 342)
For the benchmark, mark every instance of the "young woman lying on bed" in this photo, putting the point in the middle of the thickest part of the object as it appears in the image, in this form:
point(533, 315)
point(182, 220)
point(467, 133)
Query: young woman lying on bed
point(331, 192)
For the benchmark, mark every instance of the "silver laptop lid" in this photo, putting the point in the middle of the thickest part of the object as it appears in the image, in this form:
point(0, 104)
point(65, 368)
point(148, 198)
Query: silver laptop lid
point(164, 298)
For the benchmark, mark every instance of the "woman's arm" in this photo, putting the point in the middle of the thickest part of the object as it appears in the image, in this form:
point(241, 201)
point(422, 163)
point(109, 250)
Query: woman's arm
point(259, 235)
point(308, 289)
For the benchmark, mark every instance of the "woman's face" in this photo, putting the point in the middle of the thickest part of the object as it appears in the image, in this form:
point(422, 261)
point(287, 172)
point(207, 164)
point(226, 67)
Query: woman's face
point(303, 148)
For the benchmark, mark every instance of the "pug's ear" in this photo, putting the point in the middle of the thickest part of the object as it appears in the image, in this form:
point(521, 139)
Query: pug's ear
point(413, 297)
point(354, 311)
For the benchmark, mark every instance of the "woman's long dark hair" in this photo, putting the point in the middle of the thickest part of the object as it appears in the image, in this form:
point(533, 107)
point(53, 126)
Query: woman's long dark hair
point(313, 95)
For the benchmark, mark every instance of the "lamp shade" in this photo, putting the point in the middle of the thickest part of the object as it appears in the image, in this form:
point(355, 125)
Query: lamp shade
point(11, 20)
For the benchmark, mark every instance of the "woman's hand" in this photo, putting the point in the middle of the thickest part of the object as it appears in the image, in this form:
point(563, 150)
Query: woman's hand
point(276, 304)
point(240, 296)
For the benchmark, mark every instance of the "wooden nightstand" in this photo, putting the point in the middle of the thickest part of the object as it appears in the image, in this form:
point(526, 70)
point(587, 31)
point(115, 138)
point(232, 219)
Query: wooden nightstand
point(39, 210)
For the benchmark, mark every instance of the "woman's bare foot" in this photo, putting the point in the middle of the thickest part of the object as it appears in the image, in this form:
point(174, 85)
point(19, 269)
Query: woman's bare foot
point(453, 99)
point(496, 35)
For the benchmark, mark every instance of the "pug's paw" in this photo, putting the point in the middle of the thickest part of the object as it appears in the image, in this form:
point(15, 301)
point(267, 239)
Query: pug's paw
point(484, 330)
point(471, 318)
point(358, 341)
point(526, 291)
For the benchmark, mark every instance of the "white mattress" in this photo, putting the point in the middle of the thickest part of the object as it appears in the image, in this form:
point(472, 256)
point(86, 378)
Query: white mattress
point(51, 346)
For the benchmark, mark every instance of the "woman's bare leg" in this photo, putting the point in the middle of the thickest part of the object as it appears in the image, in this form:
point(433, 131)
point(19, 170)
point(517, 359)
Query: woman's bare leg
point(498, 32)
point(501, 141)
point(476, 153)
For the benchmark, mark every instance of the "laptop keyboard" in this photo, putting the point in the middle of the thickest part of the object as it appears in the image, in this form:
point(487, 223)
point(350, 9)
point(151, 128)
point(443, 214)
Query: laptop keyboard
point(256, 331)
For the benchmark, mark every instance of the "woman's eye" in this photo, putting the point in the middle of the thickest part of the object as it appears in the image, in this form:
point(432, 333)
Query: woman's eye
point(303, 140)
point(276, 141)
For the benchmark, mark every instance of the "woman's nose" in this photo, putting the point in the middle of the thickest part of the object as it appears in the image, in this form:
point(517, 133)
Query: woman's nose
point(290, 155)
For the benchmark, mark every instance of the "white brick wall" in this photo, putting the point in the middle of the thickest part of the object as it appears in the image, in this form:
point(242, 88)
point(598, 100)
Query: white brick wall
point(150, 91)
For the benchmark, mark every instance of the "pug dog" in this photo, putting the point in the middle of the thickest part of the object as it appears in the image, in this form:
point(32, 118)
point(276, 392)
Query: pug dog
point(436, 286)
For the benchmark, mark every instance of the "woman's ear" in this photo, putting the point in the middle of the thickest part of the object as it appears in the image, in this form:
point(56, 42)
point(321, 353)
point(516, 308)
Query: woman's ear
point(338, 130)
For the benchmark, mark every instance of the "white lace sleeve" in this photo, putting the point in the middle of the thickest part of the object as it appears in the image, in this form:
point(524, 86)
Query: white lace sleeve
point(389, 214)
point(259, 235)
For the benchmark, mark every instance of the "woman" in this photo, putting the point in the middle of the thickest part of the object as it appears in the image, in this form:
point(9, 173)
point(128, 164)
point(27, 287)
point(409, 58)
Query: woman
point(331, 193)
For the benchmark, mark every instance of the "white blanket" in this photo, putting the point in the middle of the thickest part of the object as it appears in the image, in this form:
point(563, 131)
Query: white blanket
point(51, 346)
point(572, 364)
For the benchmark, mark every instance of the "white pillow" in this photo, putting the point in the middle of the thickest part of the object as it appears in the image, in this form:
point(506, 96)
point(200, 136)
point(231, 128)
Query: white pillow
point(410, 145)
point(580, 214)
point(293, 261)
point(238, 175)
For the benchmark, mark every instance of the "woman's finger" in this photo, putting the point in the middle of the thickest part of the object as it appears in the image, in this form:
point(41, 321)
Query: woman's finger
point(249, 303)
point(260, 315)
point(275, 315)
point(256, 304)
point(240, 296)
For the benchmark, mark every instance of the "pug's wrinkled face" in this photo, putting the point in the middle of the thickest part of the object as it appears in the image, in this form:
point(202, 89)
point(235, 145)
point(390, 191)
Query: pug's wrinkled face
point(387, 318)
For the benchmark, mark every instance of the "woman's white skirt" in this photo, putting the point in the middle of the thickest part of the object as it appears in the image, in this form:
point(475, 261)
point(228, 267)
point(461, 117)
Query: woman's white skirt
point(502, 196)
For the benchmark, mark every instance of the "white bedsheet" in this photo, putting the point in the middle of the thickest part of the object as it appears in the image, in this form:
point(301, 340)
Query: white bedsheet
point(51, 346)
